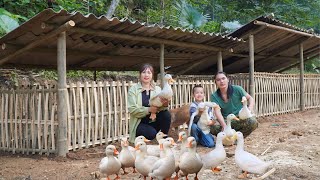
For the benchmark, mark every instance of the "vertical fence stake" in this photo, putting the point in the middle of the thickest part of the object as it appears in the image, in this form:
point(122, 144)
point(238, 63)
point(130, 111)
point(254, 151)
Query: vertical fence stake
point(251, 66)
point(301, 78)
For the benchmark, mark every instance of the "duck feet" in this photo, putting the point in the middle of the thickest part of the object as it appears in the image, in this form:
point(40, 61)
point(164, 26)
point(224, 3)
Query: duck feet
point(176, 177)
point(118, 177)
point(124, 171)
point(216, 169)
point(243, 175)
point(134, 170)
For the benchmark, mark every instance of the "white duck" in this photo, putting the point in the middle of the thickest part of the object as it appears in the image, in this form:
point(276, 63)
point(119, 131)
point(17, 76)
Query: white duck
point(165, 94)
point(126, 157)
point(205, 121)
point(110, 164)
point(215, 157)
point(248, 162)
point(164, 167)
point(144, 162)
point(183, 138)
point(153, 150)
point(244, 112)
point(190, 161)
point(230, 138)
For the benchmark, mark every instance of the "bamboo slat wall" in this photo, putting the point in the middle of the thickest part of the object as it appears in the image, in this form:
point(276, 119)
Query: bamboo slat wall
point(97, 111)
point(28, 120)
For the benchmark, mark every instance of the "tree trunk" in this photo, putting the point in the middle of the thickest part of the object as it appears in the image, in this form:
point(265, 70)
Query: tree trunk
point(112, 8)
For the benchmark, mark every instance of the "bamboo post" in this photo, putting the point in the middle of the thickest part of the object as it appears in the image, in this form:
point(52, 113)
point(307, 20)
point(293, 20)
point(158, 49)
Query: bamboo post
point(62, 95)
point(220, 65)
point(251, 65)
point(301, 78)
point(162, 64)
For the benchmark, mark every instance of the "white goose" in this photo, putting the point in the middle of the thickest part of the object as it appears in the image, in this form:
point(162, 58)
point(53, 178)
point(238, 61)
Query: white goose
point(153, 150)
point(110, 164)
point(244, 112)
point(230, 138)
point(215, 157)
point(126, 157)
point(143, 162)
point(190, 161)
point(166, 93)
point(248, 162)
point(164, 167)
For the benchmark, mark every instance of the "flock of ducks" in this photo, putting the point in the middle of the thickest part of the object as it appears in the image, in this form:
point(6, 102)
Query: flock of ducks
point(168, 158)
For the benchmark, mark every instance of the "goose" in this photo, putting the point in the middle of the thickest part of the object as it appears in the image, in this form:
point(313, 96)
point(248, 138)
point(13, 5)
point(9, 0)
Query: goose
point(190, 161)
point(166, 93)
point(248, 162)
point(110, 164)
point(165, 166)
point(215, 157)
point(244, 112)
point(143, 161)
point(230, 138)
point(183, 138)
point(126, 157)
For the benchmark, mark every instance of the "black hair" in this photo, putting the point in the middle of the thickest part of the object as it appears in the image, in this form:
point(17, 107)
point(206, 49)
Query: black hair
point(230, 87)
point(196, 86)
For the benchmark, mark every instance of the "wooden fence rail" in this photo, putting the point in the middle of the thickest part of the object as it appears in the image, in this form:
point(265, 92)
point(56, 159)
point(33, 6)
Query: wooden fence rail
point(98, 113)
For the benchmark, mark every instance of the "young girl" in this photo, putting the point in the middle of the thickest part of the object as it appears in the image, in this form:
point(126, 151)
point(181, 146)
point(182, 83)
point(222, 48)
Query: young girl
point(204, 139)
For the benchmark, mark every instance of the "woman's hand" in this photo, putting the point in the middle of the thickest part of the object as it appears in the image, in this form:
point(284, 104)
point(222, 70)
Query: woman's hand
point(153, 109)
point(164, 101)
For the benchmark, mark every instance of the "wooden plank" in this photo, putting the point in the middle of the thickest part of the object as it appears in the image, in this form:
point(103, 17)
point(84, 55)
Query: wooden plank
point(27, 114)
point(109, 109)
point(101, 97)
point(2, 111)
point(46, 118)
point(11, 133)
point(39, 115)
point(88, 140)
point(126, 116)
point(69, 123)
point(21, 109)
point(82, 127)
point(52, 118)
point(120, 95)
point(16, 143)
point(115, 115)
point(96, 111)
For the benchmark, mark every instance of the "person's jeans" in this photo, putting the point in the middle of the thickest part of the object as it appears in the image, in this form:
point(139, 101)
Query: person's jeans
point(150, 129)
point(204, 139)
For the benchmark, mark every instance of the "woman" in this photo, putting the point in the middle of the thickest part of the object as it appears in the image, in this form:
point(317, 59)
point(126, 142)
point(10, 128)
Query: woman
point(228, 97)
point(138, 105)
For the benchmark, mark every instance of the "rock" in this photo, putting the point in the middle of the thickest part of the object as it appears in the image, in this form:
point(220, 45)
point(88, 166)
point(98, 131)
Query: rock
point(296, 133)
point(281, 139)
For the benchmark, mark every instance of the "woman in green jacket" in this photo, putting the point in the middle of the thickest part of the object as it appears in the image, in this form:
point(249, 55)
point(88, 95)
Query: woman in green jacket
point(138, 105)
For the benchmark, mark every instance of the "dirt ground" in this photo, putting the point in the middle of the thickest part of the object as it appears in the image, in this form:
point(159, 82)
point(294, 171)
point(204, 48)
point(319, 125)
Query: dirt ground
point(292, 142)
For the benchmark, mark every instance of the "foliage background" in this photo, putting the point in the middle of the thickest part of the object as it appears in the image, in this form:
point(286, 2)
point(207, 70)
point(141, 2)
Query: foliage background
point(218, 16)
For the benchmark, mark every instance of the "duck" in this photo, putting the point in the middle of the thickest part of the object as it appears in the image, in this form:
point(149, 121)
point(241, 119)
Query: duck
point(248, 162)
point(126, 157)
point(110, 164)
point(230, 138)
point(205, 121)
point(165, 94)
point(183, 139)
point(244, 112)
point(215, 157)
point(143, 161)
point(165, 166)
point(152, 150)
point(190, 161)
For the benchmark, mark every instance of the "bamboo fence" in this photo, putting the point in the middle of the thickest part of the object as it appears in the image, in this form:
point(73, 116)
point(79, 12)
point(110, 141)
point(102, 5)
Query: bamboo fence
point(98, 113)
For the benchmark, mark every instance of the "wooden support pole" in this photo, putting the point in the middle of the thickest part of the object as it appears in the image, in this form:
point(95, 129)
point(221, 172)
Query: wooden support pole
point(220, 65)
point(42, 39)
point(251, 66)
point(256, 22)
point(153, 40)
point(62, 95)
point(301, 78)
point(162, 64)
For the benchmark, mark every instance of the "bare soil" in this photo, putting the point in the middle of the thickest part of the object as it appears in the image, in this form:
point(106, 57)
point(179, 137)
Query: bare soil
point(291, 140)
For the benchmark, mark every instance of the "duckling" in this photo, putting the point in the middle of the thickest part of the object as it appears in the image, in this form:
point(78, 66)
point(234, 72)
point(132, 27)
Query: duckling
point(165, 94)
point(215, 157)
point(126, 157)
point(164, 167)
point(248, 162)
point(244, 112)
point(143, 161)
point(230, 138)
point(110, 164)
point(190, 161)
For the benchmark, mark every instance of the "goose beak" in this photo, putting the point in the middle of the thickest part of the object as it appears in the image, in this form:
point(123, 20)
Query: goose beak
point(137, 147)
point(189, 145)
point(173, 143)
point(180, 138)
point(235, 118)
point(161, 147)
point(172, 81)
point(146, 140)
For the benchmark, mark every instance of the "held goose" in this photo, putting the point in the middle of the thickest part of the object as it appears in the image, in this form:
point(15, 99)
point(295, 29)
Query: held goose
point(110, 164)
point(248, 162)
point(166, 93)
point(244, 112)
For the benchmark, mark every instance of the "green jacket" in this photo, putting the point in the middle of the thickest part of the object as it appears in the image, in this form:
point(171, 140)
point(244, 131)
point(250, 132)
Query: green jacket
point(136, 110)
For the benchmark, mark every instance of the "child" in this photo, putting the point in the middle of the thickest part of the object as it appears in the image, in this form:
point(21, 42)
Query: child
point(204, 139)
